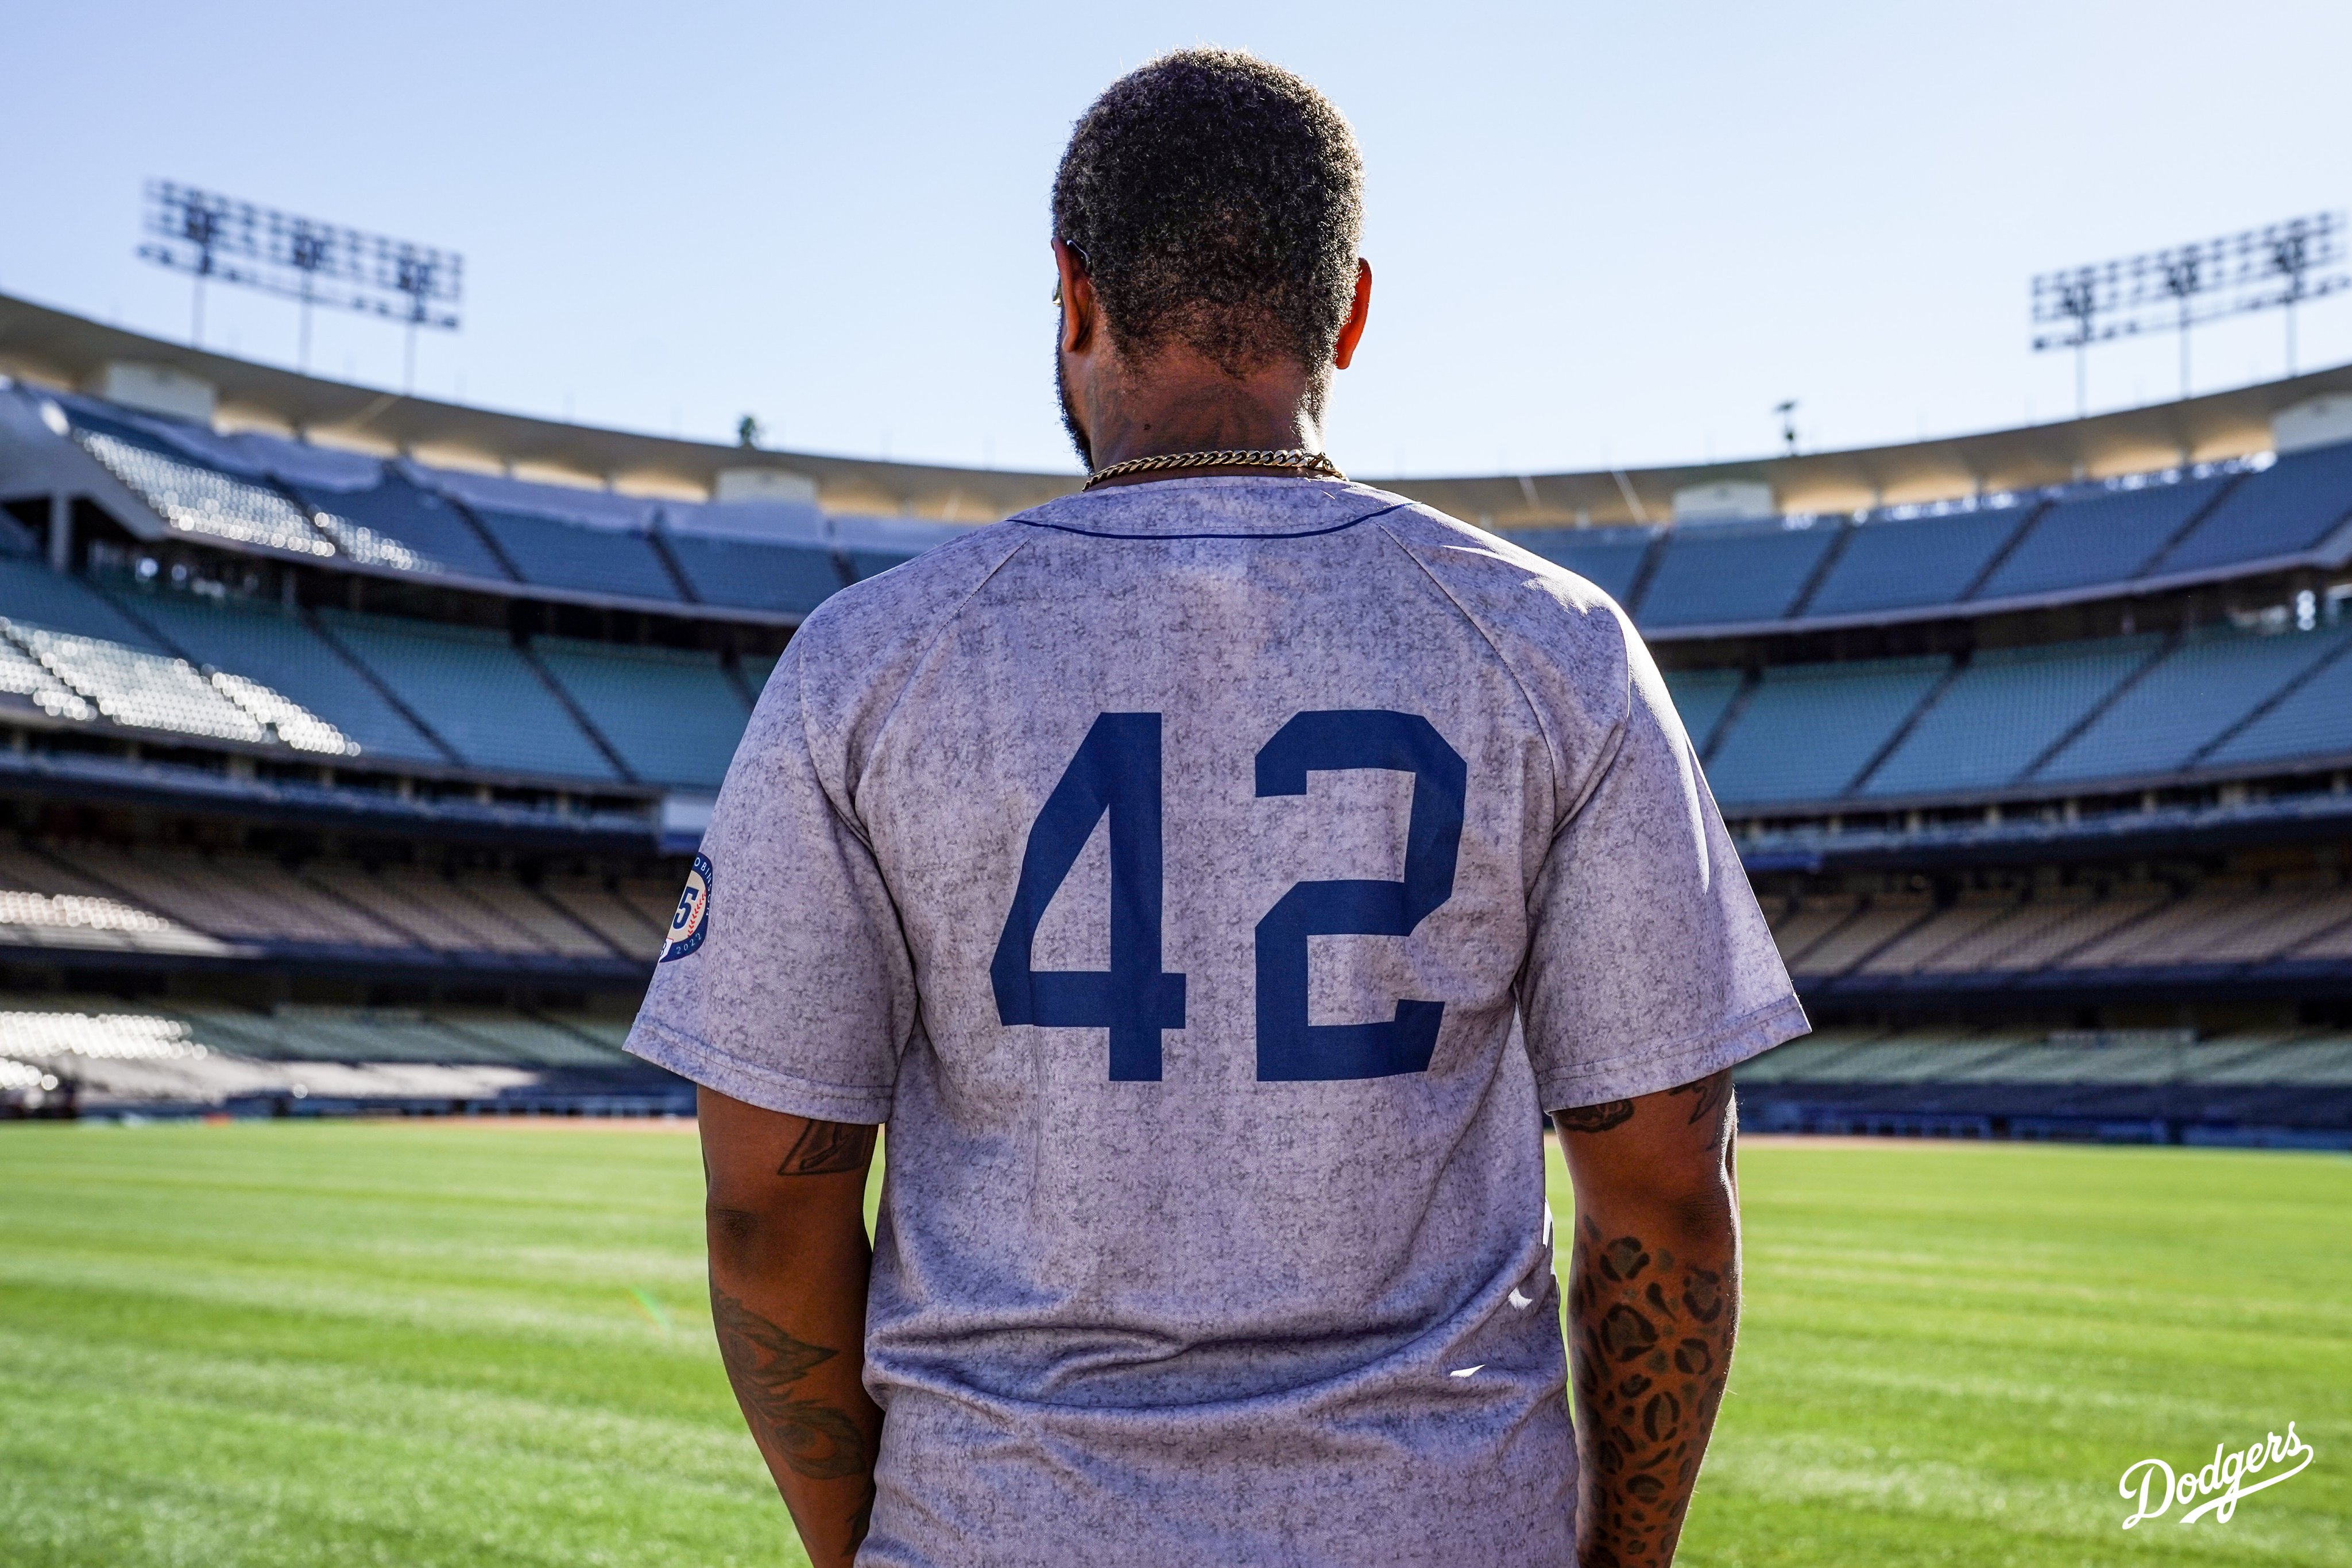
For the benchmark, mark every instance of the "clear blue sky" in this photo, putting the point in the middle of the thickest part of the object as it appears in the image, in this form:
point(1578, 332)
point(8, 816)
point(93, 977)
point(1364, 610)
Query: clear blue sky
point(1601, 233)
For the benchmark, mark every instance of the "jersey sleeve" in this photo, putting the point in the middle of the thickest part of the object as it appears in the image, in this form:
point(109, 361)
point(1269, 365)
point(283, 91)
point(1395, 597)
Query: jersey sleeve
point(793, 988)
point(1649, 963)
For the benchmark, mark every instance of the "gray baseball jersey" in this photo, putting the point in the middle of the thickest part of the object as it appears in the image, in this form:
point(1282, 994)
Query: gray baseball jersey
point(1209, 881)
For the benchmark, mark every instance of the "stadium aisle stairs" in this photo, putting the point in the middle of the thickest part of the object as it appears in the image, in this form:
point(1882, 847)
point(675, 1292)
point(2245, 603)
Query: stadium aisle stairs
point(475, 690)
point(1805, 731)
point(276, 646)
point(672, 714)
point(2210, 683)
point(1908, 564)
point(2101, 537)
point(1609, 558)
point(2287, 508)
point(1996, 716)
point(1724, 573)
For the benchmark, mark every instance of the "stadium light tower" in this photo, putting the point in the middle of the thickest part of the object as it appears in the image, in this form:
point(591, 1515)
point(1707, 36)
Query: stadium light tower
point(2278, 266)
point(212, 235)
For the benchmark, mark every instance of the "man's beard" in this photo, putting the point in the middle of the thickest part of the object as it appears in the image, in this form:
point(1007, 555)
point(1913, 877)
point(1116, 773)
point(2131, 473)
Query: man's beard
point(1069, 412)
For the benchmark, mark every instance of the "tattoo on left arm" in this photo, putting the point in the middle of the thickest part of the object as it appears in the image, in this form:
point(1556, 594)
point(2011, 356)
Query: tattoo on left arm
point(763, 1362)
point(1654, 1344)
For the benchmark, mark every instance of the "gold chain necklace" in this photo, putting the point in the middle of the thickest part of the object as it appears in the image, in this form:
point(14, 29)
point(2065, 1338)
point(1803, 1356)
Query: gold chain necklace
point(1303, 462)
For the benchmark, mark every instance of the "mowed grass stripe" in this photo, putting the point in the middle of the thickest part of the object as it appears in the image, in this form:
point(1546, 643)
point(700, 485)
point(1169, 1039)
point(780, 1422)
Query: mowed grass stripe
point(1951, 1352)
point(361, 1345)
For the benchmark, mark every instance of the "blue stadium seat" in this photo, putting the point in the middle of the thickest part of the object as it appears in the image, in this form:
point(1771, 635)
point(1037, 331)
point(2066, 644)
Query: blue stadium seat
point(429, 529)
point(474, 691)
point(2008, 708)
point(756, 668)
point(557, 554)
point(672, 714)
point(1808, 729)
point(1701, 697)
point(197, 483)
point(866, 563)
point(1609, 558)
point(33, 595)
point(266, 643)
point(2287, 508)
point(2101, 536)
point(2314, 719)
point(792, 578)
point(1717, 573)
point(1899, 564)
point(2216, 677)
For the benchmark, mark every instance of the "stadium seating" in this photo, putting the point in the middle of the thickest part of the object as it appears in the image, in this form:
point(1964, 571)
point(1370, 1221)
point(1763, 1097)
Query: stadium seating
point(33, 595)
point(179, 1060)
point(2245, 1086)
point(1806, 731)
point(43, 905)
point(117, 670)
point(2043, 935)
point(2190, 699)
point(1881, 919)
point(2289, 507)
point(104, 896)
point(393, 521)
point(632, 916)
point(474, 690)
point(788, 579)
point(146, 691)
point(2006, 708)
point(557, 554)
point(2312, 718)
point(866, 563)
point(1975, 911)
point(586, 540)
point(1702, 697)
point(253, 638)
point(160, 466)
point(672, 714)
point(2104, 534)
point(1906, 563)
point(1722, 573)
point(1609, 558)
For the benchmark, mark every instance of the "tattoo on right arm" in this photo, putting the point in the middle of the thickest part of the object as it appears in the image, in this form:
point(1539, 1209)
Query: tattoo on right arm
point(1595, 1118)
point(829, 1148)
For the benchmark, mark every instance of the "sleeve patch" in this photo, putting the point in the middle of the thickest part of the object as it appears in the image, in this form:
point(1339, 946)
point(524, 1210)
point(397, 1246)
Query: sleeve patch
point(691, 923)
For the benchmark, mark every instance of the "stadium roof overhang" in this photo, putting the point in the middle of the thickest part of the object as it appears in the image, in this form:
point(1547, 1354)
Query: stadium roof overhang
point(42, 344)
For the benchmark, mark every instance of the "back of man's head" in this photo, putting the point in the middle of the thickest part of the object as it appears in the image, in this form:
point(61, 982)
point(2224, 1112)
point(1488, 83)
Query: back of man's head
point(1215, 202)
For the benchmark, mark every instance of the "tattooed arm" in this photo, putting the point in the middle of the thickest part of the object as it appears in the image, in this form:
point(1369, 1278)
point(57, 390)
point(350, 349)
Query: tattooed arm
point(789, 1259)
point(1653, 1294)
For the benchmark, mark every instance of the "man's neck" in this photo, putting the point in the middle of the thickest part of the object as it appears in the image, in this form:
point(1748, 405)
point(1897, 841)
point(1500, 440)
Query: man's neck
point(1180, 403)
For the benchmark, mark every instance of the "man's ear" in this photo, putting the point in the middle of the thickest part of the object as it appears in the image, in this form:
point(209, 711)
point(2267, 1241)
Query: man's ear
point(1352, 332)
point(1075, 290)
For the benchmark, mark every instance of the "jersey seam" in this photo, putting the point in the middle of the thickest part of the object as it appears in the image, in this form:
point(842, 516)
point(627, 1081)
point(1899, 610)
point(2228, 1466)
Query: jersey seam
point(1027, 522)
point(1660, 1053)
point(914, 667)
point(679, 1041)
point(1551, 750)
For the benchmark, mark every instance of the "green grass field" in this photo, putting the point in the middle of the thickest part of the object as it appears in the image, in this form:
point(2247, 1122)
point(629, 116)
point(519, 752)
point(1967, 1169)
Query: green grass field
point(348, 1344)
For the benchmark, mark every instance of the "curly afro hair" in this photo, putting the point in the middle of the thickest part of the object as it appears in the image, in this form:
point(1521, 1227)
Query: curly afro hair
point(1217, 202)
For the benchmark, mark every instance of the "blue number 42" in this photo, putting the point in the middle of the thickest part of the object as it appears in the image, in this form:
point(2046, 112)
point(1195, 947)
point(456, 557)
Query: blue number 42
point(1117, 771)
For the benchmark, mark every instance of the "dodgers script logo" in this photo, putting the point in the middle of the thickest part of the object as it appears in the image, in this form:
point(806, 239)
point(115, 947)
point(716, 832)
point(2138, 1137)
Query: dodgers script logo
point(691, 923)
point(2227, 1473)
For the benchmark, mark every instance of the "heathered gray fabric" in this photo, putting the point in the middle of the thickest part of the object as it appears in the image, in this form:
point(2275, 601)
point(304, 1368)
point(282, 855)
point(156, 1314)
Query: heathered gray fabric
point(1211, 1319)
